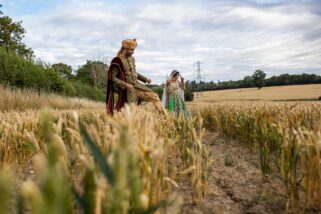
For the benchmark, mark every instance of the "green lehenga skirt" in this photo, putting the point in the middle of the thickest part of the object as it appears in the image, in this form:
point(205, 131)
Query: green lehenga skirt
point(178, 106)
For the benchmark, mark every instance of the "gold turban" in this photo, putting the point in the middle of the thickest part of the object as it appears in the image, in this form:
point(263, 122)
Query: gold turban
point(129, 43)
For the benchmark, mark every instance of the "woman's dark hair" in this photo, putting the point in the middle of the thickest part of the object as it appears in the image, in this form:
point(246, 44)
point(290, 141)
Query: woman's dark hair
point(176, 72)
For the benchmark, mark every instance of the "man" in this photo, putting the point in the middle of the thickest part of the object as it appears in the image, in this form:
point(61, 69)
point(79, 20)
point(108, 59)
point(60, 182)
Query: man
point(122, 73)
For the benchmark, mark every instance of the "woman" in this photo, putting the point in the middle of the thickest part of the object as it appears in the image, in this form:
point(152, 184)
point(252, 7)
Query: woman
point(173, 95)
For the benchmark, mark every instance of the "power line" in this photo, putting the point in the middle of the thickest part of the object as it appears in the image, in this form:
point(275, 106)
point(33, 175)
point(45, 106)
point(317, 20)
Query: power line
point(198, 78)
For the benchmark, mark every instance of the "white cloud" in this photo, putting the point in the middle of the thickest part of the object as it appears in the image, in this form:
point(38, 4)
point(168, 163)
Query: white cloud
point(231, 39)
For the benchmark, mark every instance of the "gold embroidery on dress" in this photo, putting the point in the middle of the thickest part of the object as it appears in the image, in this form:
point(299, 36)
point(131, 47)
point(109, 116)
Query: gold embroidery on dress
point(132, 70)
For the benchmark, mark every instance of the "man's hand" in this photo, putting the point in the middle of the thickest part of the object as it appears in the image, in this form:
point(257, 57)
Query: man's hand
point(130, 87)
point(149, 81)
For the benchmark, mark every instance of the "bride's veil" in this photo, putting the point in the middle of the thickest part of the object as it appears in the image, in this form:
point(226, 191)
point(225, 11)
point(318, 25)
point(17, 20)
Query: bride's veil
point(164, 97)
point(180, 90)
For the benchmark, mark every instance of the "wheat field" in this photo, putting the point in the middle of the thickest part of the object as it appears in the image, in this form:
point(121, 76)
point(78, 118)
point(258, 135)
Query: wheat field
point(293, 92)
point(77, 159)
point(84, 160)
point(21, 100)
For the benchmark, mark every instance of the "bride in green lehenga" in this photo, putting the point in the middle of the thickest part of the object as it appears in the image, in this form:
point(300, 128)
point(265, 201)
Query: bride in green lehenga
point(173, 95)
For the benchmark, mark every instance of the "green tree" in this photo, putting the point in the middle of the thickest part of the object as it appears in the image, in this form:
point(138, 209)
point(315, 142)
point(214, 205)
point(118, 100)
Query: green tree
point(188, 95)
point(258, 78)
point(11, 34)
point(99, 70)
point(246, 82)
point(93, 73)
point(63, 70)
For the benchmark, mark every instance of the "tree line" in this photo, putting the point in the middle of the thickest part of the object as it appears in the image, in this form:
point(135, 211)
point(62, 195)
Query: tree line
point(16, 71)
point(256, 80)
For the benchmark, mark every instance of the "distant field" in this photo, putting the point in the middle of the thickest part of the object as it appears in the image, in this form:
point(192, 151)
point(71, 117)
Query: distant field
point(293, 92)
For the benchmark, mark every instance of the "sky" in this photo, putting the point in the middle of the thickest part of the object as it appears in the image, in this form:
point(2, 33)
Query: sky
point(231, 38)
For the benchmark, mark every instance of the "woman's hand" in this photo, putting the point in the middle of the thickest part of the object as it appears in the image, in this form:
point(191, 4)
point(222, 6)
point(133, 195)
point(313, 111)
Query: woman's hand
point(182, 83)
point(168, 87)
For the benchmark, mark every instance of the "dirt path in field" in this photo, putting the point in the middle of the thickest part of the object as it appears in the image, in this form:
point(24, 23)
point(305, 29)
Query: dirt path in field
point(236, 184)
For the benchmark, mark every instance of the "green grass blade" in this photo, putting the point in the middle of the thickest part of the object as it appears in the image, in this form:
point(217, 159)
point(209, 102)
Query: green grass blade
point(99, 157)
